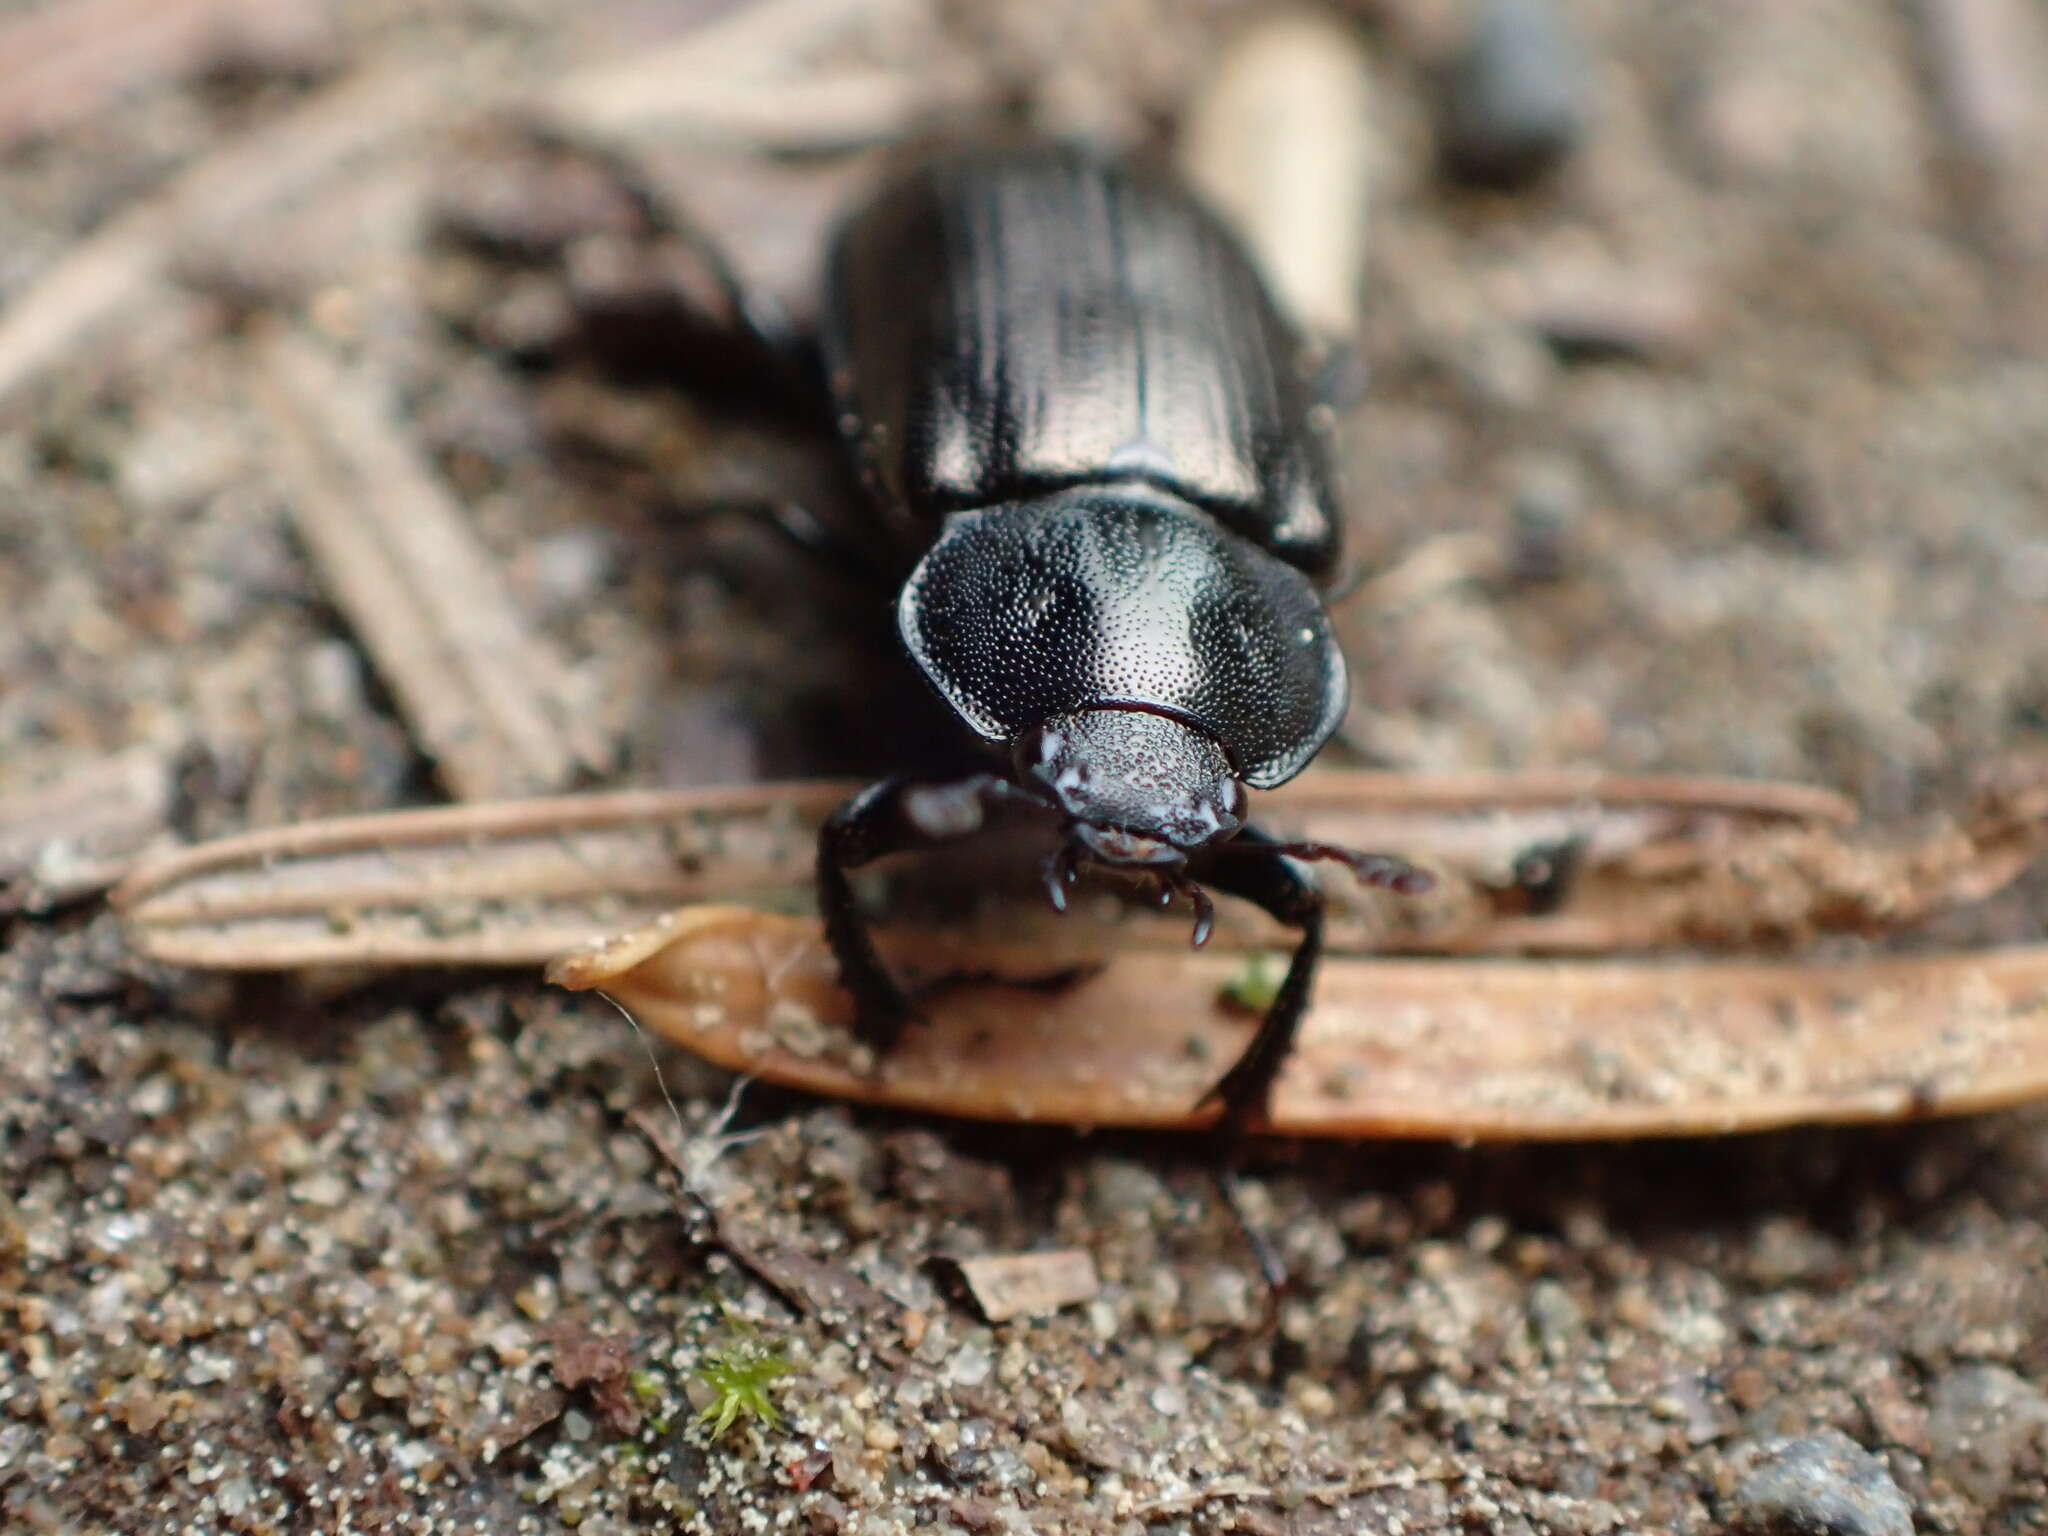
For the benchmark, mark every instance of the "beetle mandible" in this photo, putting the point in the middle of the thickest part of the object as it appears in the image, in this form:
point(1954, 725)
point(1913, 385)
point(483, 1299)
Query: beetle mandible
point(1066, 387)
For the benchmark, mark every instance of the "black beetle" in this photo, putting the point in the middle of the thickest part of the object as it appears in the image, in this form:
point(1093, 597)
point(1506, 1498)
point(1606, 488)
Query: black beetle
point(1065, 385)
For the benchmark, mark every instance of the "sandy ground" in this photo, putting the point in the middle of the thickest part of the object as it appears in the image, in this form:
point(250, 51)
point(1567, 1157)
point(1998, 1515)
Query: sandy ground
point(1721, 451)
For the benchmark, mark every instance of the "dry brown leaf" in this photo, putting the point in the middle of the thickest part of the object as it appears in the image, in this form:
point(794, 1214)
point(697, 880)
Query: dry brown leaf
point(1463, 1050)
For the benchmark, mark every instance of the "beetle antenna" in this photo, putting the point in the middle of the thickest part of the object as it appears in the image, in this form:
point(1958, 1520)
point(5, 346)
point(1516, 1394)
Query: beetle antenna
point(1381, 869)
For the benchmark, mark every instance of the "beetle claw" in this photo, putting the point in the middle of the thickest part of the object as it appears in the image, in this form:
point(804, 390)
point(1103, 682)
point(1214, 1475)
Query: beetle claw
point(1055, 887)
point(1177, 884)
point(1057, 873)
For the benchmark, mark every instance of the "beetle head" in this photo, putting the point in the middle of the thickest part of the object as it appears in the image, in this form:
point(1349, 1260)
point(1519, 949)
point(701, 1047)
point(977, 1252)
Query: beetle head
point(1138, 790)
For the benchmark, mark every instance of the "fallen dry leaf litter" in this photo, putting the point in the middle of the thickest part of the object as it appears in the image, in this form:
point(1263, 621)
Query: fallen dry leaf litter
point(1718, 453)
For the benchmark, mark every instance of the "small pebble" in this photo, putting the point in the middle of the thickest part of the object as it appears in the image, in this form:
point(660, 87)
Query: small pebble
point(571, 568)
point(971, 1363)
point(1556, 1318)
point(1125, 1193)
point(1549, 503)
point(331, 681)
point(882, 1436)
point(1987, 1431)
point(1220, 1296)
point(1512, 103)
point(1821, 1485)
point(1315, 1400)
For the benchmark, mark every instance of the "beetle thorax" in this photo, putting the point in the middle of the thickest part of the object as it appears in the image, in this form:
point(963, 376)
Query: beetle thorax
point(1136, 787)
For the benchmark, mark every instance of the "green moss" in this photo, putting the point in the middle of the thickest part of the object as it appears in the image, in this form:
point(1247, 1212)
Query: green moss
point(739, 1373)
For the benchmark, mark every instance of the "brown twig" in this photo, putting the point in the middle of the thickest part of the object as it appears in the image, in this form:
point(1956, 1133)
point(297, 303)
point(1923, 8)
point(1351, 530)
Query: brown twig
point(506, 884)
point(485, 697)
point(817, 113)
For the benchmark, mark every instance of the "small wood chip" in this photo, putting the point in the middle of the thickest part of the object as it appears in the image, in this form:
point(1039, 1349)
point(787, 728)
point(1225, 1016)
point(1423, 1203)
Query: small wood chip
point(486, 698)
point(1008, 1285)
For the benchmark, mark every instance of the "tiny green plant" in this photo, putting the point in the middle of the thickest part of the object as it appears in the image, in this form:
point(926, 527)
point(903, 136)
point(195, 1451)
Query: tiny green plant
point(739, 1373)
point(1253, 986)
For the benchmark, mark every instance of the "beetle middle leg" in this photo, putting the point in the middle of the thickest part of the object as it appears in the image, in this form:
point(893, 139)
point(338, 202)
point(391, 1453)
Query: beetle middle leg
point(891, 816)
point(1252, 867)
point(1257, 868)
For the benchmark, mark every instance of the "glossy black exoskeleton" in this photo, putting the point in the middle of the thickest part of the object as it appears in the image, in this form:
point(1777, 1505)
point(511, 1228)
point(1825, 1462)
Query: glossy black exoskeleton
point(1068, 390)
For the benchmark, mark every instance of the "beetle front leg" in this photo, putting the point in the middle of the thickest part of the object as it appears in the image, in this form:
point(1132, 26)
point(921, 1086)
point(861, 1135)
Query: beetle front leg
point(891, 816)
point(1251, 866)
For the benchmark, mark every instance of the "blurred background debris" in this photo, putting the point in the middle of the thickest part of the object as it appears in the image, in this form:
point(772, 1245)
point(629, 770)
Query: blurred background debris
point(1705, 353)
point(1513, 100)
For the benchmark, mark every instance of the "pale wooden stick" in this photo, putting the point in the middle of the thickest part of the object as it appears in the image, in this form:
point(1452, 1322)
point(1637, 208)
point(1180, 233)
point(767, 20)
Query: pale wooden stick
point(485, 696)
point(518, 883)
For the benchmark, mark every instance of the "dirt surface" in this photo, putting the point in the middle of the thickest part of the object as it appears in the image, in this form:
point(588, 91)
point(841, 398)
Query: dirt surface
point(1720, 450)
